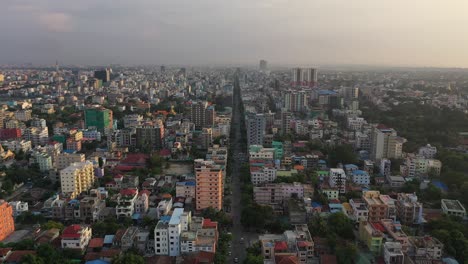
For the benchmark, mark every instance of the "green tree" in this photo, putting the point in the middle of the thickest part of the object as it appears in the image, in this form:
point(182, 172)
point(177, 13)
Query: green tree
point(128, 258)
point(31, 259)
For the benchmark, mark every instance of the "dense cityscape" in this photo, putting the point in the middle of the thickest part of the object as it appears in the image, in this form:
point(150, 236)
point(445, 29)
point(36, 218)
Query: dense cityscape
point(170, 164)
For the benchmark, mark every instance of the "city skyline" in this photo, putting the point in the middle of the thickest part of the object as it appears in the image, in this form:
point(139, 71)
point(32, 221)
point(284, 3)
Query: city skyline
point(397, 33)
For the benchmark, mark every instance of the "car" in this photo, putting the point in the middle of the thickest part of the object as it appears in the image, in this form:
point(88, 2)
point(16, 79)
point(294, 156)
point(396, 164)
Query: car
point(236, 260)
point(229, 253)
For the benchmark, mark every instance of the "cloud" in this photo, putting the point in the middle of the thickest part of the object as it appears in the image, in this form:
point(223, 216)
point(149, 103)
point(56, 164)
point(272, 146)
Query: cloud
point(56, 22)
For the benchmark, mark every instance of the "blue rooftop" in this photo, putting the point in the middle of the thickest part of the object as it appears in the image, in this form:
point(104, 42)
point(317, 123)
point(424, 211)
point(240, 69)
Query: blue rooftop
point(322, 161)
point(165, 218)
point(350, 166)
point(108, 239)
point(440, 185)
point(359, 172)
point(175, 218)
point(326, 92)
point(186, 183)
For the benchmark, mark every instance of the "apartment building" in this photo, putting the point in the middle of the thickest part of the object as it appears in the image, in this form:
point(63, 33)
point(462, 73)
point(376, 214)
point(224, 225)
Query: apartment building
point(393, 253)
point(186, 189)
point(386, 143)
point(377, 209)
point(39, 136)
point(209, 187)
point(77, 178)
point(275, 195)
point(262, 175)
point(409, 210)
point(7, 226)
point(360, 177)
point(359, 210)
point(394, 231)
point(126, 202)
point(65, 159)
point(259, 152)
point(337, 179)
point(371, 236)
point(256, 124)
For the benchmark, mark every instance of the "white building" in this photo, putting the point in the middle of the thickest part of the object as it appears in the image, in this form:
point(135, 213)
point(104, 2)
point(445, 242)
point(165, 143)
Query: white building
point(255, 129)
point(356, 123)
point(17, 145)
point(263, 175)
point(77, 178)
point(19, 207)
point(76, 237)
point(337, 179)
point(161, 237)
point(65, 159)
point(453, 207)
point(428, 151)
point(126, 203)
point(393, 253)
point(360, 211)
point(44, 161)
point(37, 135)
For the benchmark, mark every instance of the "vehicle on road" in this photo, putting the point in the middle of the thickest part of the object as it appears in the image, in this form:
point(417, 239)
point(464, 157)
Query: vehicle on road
point(236, 260)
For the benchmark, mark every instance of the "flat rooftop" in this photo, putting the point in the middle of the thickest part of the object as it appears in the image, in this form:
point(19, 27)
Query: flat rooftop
point(453, 205)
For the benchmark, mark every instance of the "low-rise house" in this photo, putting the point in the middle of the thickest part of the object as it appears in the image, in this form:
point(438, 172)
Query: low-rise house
point(453, 207)
point(76, 237)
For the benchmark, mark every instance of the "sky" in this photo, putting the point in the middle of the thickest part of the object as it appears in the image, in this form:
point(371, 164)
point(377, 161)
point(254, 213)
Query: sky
point(429, 33)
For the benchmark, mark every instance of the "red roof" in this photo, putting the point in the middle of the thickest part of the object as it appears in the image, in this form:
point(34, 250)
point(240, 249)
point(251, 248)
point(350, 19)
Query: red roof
point(303, 244)
point(118, 176)
point(128, 192)
point(71, 231)
point(165, 153)
point(281, 245)
point(208, 223)
point(96, 242)
point(286, 259)
point(378, 226)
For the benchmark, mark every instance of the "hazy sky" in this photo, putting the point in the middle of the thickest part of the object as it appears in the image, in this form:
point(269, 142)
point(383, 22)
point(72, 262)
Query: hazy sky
point(302, 32)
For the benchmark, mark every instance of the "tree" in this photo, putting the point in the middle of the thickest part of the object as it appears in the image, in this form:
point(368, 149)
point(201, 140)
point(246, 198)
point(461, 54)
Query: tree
point(346, 254)
point(52, 224)
point(341, 225)
point(31, 259)
point(128, 258)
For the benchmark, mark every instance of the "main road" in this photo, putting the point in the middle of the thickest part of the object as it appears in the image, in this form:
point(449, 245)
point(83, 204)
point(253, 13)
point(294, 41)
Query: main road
point(241, 239)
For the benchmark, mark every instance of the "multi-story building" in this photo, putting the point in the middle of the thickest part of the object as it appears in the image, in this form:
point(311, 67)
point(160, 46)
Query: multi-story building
point(255, 129)
point(356, 123)
point(98, 118)
point(91, 206)
point(132, 121)
point(39, 136)
point(202, 114)
point(44, 161)
point(389, 202)
point(377, 209)
point(386, 144)
point(73, 145)
point(453, 207)
point(304, 77)
point(161, 236)
point(395, 232)
point(7, 222)
point(10, 133)
point(77, 178)
point(275, 195)
point(175, 228)
point(425, 248)
point(259, 152)
point(360, 212)
point(419, 166)
point(361, 177)
point(409, 210)
point(371, 236)
point(19, 207)
point(206, 138)
point(122, 138)
point(17, 145)
point(23, 115)
point(286, 123)
point(262, 175)
point(76, 237)
point(393, 253)
point(209, 187)
point(428, 151)
point(295, 101)
point(186, 189)
point(65, 159)
point(126, 203)
point(38, 122)
point(150, 136)
point(337, 179)
point(142, 202)
point(385, 167)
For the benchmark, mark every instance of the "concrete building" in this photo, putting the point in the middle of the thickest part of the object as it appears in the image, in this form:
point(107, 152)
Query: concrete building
point(76, 237)
point(126, 203)
point(209, 187)
point(19, 207)
point(255, 129)
point(371, 236)
point(262, 175)
point(386, 144)
point(77, 178)
point(202, 114)
point(425, 248)
point(359, 209)
point(186, 189)
point(361, 177)
point(23, 115)
point(395, 232)
point(428, 151)
point(393, 253)
point(453, 207)
point(150, 136)
point(178, 223)
point(409, 210)
point(65, 159)
point(377, 209)
point(7, 222)
point(39, 136)
point(44, 161)
point(161, 236)
point(295, 101)
point(98, 118)
point(337, 179)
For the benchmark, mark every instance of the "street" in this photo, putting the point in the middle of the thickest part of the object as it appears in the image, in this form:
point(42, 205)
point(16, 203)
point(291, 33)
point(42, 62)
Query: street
point(241, 239)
